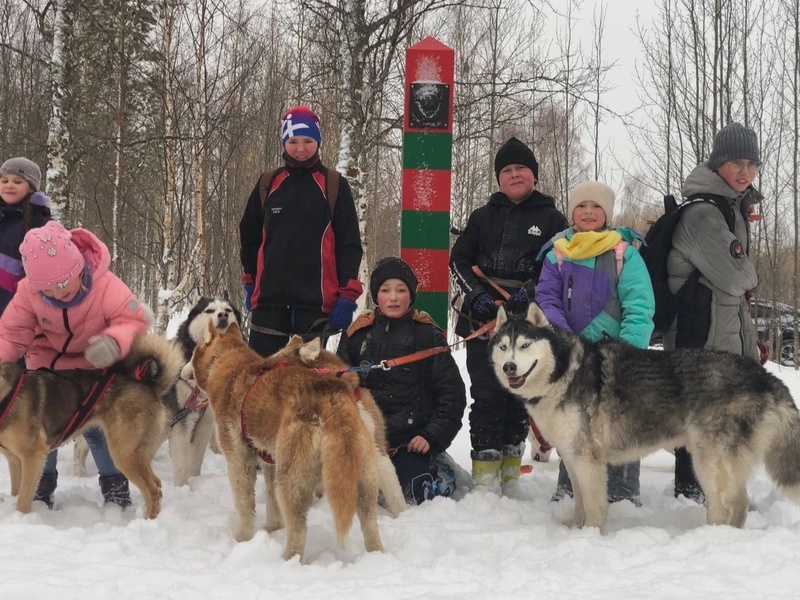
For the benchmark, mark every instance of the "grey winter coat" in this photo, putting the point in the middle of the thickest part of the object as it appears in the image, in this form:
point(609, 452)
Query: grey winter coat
point(702, 241)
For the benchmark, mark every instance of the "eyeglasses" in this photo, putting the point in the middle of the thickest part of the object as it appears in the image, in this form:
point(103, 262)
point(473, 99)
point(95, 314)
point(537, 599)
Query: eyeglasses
point(741, 165)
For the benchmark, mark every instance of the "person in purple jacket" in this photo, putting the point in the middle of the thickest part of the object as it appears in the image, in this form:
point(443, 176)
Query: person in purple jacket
point(595, 284)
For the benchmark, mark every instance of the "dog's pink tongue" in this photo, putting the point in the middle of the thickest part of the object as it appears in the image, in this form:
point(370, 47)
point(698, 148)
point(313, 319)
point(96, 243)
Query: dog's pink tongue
point(515, 382)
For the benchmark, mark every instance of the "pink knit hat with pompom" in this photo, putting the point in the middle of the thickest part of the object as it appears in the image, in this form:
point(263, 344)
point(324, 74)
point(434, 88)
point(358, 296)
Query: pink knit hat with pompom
point(49, 257)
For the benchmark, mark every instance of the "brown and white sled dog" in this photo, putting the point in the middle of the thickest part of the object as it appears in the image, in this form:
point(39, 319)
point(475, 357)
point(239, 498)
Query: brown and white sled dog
point(130, 413)
point(310, 424)
point(608, 402)
point(191, 430)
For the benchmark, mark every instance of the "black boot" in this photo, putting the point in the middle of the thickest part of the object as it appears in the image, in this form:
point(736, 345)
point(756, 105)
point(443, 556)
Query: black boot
point(686, 483)
point(46, 488)
point(115, 490)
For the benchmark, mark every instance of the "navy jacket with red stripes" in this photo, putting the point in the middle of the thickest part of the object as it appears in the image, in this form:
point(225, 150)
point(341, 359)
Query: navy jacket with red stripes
point(294, 251)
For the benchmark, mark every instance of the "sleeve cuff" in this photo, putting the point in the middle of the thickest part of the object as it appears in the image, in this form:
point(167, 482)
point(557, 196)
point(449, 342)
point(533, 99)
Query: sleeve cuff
point(352, 290)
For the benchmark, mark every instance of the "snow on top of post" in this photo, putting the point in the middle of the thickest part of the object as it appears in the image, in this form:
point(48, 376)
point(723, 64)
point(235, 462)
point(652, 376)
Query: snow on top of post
point(428, 70)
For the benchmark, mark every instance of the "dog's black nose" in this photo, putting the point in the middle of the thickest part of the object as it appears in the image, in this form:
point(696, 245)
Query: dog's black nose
point(223, 316)
point(509, 368)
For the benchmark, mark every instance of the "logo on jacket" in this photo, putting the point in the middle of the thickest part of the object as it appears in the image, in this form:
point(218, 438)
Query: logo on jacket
point(737, 249)
point(276, 210)
point(534, 230)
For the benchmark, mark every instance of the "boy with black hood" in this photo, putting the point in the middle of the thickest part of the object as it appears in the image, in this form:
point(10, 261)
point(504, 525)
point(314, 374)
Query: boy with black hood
point(503, 239)
point(422, 402)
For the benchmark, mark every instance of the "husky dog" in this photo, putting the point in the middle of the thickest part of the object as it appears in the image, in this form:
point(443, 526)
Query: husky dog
point(608, 402)
point(190, 430)
point(309, 422)
point(130, 413)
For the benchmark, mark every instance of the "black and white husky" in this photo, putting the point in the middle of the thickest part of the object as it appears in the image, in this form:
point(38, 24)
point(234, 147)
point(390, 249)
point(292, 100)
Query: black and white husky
point(608, 402)
point(190, 429)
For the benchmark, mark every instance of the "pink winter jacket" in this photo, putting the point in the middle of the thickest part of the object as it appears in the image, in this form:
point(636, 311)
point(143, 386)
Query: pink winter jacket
point(57, 337)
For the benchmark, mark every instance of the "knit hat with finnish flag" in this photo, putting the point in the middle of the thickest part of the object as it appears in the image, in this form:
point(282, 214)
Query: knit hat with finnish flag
point(300, 120)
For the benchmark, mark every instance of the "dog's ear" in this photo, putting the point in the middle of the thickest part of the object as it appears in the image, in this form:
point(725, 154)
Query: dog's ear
point(502, 317)
point(310, 350)
point(536, 316)
point(211, 332)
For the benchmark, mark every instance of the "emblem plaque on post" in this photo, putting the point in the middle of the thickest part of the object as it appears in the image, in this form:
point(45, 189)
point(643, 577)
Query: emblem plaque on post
point(429, 105)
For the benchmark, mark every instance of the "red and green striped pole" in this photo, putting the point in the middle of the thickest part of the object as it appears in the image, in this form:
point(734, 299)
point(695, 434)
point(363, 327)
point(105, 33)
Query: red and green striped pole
point(427, 163)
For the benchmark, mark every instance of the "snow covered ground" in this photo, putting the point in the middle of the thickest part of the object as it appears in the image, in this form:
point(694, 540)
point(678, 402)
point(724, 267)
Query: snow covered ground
point(480, 546)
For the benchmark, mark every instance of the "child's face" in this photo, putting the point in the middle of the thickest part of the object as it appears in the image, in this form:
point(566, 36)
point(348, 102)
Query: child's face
point(301, 147)
point(67, 292)
point(739, 174)
point(394, 298)
point(516, 182)
point(14, 188)
point(589, 216)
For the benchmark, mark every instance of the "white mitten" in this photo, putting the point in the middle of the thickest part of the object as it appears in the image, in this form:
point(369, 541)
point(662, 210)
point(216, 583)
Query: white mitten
point(102, 352)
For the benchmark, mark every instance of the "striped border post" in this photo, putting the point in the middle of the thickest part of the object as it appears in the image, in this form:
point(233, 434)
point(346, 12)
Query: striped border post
point(427, 163)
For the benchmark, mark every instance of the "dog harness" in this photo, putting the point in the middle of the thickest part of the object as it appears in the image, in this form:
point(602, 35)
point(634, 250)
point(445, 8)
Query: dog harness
point(7, 402)
point(87, 406)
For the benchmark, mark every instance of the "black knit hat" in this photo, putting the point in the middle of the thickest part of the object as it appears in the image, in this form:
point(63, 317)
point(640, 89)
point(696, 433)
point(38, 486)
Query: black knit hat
point(734, 142)
point(392, 267)
point(514, 152)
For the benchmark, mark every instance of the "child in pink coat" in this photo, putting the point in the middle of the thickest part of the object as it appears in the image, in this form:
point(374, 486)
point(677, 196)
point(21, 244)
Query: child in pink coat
point(71, 312)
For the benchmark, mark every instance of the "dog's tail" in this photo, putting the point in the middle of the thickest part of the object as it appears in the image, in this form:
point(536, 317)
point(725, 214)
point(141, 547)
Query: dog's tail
point(167, 361)
point(782, 458)
point(347, 454)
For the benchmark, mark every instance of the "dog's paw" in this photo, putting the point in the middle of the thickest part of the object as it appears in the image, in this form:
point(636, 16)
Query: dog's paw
point(244, 534)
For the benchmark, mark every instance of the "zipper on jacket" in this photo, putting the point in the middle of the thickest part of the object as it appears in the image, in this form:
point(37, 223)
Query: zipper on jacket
point(68, 340)
point(569, 292)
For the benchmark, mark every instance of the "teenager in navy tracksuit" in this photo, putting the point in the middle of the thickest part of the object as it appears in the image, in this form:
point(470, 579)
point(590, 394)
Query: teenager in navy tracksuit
point(300, 261)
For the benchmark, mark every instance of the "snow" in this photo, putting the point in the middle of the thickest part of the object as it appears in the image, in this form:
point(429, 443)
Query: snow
point(479, 546)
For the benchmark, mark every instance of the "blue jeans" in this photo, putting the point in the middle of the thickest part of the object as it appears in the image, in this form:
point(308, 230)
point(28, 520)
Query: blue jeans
point(99, 448)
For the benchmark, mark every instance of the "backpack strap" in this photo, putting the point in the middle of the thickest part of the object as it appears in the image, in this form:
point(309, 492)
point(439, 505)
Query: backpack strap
point(265, 185)
point(619, 252)
point(332, 179)
point(559, 257)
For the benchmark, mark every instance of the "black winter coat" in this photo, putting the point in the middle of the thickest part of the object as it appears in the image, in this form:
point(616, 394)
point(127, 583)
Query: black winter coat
point(12, 231)
point(295, 252)
point(503, 239)
point(425, 398)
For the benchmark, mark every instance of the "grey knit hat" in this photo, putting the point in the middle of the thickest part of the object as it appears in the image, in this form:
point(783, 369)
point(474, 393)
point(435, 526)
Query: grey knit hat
point(25, 168)
point(734, 142)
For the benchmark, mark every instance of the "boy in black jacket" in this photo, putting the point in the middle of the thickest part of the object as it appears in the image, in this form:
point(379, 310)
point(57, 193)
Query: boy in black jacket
point(502, 238)
point(422, 402)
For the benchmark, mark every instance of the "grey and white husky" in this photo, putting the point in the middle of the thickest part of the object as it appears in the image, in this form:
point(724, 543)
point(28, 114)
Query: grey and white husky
point(608, 402)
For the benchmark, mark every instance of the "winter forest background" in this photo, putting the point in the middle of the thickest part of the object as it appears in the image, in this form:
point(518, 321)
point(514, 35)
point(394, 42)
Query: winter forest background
point(154, 118)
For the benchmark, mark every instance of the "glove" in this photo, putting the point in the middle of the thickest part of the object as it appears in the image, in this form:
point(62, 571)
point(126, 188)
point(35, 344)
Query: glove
point(248, 295)
point(518, 302)
point(342, 314)
point(483, 307)
point(102, 352)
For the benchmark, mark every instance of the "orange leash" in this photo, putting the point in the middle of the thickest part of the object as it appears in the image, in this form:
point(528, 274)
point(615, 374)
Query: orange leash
point(422, 354)
point(477, 270)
